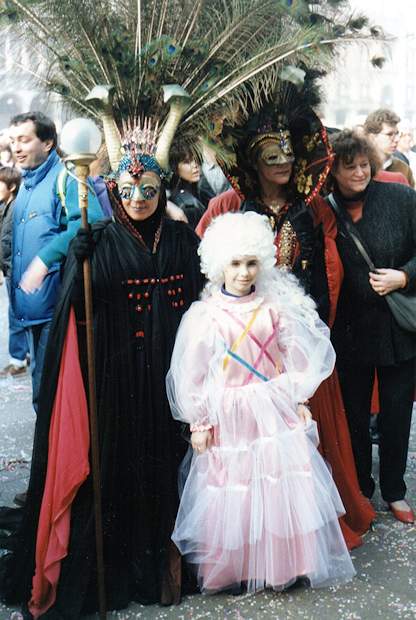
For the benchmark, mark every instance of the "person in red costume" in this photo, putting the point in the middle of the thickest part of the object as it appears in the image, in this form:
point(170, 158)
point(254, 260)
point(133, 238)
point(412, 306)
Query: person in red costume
point(281, 163)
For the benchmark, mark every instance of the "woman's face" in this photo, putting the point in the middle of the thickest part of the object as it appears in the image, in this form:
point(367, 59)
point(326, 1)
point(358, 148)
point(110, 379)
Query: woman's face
point(276, 174)
point(189, 171)
point(354, 177)
point(241, 274)
point(139, 195)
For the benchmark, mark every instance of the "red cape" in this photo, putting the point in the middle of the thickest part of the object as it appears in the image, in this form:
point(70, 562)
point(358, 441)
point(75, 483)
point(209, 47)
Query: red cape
point(68, 467)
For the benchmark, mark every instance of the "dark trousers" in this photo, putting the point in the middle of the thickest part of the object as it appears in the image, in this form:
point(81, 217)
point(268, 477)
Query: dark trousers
point(396, 391)
point(18, 344)
point(38, 339)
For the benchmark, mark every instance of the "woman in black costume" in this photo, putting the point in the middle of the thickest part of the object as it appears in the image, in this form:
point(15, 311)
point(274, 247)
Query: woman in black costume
point(145, 274)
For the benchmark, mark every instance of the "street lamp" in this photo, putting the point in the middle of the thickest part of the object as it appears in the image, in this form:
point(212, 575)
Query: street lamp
point(80, 140)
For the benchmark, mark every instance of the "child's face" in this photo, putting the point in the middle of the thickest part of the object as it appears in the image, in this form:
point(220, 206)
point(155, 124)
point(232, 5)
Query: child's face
point(241, 274)
point(5, 191)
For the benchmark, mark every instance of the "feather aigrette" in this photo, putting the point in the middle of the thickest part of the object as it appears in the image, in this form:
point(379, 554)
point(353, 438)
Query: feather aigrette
point(228, 55)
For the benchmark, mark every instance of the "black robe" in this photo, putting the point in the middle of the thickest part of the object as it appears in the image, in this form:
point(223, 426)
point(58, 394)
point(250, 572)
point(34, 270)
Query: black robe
point(139, 299)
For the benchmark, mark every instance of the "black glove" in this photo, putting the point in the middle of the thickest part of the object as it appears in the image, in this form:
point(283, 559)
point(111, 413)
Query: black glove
point(83, 244)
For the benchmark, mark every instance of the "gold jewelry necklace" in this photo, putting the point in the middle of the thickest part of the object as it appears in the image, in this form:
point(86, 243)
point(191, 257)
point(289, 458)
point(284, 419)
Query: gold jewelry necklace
point(274, 205)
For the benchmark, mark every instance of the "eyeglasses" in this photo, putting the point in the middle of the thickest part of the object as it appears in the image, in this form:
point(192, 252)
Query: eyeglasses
point(390, 134)
point(144, 192)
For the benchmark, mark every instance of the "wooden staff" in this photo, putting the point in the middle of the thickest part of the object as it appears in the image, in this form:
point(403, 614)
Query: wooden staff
point(81, 172)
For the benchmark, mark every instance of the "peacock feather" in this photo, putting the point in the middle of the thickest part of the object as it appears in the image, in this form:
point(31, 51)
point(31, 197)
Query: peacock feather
point(228, 55)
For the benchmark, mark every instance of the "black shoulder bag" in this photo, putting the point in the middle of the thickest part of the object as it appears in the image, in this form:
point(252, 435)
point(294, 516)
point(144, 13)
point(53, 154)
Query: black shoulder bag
point(403, 307)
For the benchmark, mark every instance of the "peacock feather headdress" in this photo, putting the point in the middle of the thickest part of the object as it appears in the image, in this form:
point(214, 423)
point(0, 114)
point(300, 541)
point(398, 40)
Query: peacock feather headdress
point(218, 59)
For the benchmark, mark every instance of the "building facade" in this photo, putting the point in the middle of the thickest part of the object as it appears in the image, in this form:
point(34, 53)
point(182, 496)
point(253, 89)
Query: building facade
point(20, 88)
point(356, 87)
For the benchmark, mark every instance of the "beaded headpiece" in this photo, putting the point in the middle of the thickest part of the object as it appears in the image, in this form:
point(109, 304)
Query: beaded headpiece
point(140, 145)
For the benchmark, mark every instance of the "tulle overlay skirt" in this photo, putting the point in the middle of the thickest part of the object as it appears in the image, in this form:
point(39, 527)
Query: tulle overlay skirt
point(260, 508)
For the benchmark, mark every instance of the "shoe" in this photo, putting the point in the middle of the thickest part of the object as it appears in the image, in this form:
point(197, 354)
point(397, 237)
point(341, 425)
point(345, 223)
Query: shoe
point(405, 516)
point(13, 371)
point(20, 499)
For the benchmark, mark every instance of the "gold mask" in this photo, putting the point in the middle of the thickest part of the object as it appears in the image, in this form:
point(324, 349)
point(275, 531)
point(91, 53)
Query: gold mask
point(272, 148)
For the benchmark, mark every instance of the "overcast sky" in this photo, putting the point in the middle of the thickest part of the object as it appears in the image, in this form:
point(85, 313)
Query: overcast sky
point(397, 18)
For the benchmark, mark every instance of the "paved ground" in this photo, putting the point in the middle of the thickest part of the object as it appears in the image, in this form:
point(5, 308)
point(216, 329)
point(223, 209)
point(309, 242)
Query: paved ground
point(384, 587)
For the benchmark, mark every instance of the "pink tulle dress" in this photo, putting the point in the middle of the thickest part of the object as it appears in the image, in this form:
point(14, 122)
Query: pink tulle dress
point(259, 508)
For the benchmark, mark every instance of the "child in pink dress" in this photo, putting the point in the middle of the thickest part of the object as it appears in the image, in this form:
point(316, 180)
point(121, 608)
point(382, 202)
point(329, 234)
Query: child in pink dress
point(259, 507)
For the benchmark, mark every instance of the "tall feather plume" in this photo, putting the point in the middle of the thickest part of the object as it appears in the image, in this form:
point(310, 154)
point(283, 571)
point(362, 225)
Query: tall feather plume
point(227, 54)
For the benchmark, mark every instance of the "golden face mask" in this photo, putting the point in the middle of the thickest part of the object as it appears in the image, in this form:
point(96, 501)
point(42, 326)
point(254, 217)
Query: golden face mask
point(272, 148)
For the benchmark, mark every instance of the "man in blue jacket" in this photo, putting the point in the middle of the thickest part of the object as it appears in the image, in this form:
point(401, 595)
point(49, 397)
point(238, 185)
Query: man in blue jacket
point(42, 230)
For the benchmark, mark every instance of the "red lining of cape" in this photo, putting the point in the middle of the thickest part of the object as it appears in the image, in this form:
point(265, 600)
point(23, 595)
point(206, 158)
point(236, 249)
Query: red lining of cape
point(68, 467)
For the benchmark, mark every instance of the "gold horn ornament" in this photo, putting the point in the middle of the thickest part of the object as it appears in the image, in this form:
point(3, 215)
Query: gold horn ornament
point(102, 96)
point(179, 101)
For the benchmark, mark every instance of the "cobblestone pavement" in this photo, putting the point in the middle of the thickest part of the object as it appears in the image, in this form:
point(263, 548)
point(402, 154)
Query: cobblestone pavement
point(384, 587)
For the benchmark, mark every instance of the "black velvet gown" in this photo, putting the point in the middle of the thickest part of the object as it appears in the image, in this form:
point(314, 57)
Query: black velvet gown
point(139, 299)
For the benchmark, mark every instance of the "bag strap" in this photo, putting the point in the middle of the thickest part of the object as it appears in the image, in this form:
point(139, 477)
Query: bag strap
point(353, 233)
point(61, 183)
point(61, 187)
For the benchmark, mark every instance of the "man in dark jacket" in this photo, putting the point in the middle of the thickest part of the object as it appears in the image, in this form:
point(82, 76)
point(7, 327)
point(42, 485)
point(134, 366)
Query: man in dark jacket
point(18, 345)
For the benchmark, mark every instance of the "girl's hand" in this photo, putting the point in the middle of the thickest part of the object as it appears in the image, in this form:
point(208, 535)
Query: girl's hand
point(201, 441)
point(304, 413)
point(387, 280)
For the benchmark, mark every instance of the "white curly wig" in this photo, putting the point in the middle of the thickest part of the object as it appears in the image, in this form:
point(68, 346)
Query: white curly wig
point(232, 235)
point(250, 234)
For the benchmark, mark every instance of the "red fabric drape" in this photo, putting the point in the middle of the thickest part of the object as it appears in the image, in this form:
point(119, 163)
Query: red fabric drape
point(68, 467)
point(335, 445)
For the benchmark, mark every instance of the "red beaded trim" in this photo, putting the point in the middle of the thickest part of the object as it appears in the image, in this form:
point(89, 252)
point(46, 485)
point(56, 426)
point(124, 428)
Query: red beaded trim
point(131, 281)
point(330, 155)
point(172, 291)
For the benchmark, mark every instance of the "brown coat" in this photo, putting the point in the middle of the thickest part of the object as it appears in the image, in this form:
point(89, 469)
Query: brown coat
point(397, 165)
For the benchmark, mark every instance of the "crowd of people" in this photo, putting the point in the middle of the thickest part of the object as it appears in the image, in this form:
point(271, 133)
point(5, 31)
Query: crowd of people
point(239, 335)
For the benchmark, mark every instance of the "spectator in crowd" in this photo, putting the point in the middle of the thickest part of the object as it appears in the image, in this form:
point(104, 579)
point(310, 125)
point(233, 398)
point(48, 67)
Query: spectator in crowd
point(18, 344)
point(213, 180)
point(184, 184)
point(366, 336)
point(381, 127)
point(6, 156)
point(41, 230)
point(404, 146)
